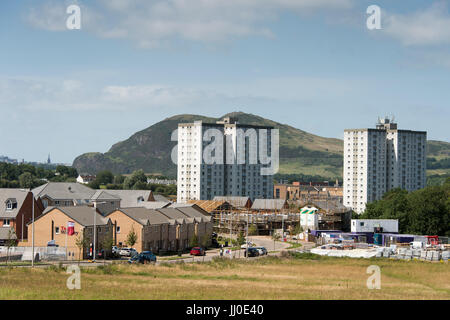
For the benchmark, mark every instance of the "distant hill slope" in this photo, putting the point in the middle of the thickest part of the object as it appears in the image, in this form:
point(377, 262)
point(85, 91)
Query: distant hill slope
point(150, 149)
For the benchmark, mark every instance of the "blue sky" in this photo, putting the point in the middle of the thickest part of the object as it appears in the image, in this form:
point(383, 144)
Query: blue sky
point(312, 64)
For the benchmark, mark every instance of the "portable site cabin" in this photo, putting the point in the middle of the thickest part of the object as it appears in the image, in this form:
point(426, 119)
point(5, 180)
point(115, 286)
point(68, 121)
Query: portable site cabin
point(309, 219)
point(394, 238)
point(374, 225)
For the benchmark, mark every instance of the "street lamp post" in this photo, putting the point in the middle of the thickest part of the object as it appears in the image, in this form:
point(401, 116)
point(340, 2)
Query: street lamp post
point(95, 227)
point(95, 232)
point(246, 239)
point(32, 230)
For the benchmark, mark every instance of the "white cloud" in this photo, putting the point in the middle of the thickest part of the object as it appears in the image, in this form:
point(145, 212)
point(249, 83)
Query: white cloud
point(59, 95)
point(73, 95)
point(427, 27)
point(154, 23)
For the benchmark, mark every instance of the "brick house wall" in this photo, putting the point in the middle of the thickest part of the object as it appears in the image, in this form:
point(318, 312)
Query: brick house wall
point(24, 216)
point(126, 224)
point(49, 227)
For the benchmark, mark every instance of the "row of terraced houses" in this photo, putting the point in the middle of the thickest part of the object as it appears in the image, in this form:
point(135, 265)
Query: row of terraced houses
point(65, 211)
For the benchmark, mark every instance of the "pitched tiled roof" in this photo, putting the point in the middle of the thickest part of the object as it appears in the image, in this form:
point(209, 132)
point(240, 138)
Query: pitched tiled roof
point(195, 212)
point(64, 191)
point(154, 204)
point(209, 205)
point(83, 215)
point(131, 198)
point(160, 198)
point(15, 195)
point(103, 195)
point(175, 214)
point(237, 202)
point(145, 216)
point(268, 204)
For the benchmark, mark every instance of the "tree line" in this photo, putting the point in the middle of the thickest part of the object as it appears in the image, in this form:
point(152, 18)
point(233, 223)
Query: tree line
point(433, 163)
point(136, 181)
point(27, 176)
point(422, 212)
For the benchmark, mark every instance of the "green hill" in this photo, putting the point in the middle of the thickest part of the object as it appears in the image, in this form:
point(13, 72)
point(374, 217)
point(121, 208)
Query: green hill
point(300, 151)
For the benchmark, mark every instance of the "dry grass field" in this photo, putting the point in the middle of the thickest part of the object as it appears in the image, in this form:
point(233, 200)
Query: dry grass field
point(267, 278)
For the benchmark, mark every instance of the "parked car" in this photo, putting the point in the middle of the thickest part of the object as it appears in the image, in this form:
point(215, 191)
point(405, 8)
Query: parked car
point(197, 251)
point(252, 252)
point(128, 252)
point(143, 257)
point(115, 250)
point(262, 250)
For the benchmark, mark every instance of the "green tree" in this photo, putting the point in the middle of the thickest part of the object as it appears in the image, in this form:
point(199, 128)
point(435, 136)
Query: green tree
point(429, 211)
point(94, 184)
point(205, 240)
point(193, 242)
point(425, 211)
point(298, 229)
point(393, 205)
point(104, 177)
point(253, 230)
point(26, 180)
point(81, 242)
point(107, 245)
point(131, 238)
point(119, 179)
point(62, 170)
point(136, 176)
point(10, 242)
point(241, 238)
point(140, 185)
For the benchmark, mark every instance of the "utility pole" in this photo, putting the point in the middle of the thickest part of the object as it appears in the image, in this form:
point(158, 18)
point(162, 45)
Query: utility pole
point(95, 227)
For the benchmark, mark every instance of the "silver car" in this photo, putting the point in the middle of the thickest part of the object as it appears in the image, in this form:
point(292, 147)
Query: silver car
point(127, 252)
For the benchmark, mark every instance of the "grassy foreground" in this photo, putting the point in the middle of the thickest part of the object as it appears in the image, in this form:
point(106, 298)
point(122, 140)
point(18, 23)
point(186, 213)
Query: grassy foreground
point(301, 277)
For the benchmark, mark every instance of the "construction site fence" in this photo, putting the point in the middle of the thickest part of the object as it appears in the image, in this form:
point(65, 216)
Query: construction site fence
point(40, 253)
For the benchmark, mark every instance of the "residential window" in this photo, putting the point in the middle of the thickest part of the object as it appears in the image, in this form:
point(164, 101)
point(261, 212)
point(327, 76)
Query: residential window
point(6, 223)
point(117, 229)
point(56, 230)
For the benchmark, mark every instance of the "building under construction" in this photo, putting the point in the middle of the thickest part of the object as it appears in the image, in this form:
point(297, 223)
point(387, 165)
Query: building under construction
point(267, 215)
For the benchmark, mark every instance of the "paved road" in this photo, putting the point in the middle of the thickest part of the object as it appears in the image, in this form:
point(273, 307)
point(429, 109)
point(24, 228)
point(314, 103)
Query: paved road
point(260, 241)
point(274, 248)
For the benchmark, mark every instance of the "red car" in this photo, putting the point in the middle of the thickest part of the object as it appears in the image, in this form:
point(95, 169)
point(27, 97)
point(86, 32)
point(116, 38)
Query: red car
point(197, 251)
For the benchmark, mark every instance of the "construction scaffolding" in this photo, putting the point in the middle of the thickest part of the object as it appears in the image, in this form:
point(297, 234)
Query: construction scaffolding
point(265, 223)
